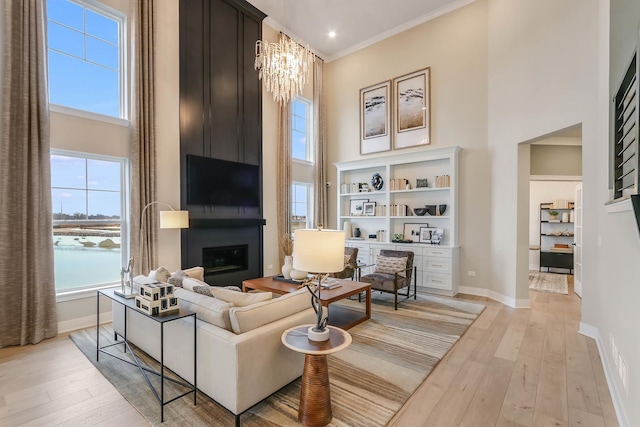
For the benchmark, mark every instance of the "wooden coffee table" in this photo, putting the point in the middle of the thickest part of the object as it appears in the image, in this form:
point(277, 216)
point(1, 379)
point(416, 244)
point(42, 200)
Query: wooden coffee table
point(340, 316)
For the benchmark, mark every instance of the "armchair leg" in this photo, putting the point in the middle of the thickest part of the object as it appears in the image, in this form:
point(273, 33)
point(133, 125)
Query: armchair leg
point(395, 302)
point(415, 283)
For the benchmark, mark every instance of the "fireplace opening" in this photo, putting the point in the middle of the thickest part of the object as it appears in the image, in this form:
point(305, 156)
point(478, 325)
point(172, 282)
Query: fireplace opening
point(225, 259)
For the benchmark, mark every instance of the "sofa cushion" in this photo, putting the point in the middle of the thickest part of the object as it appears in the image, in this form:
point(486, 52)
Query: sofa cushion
point(195, 272)
point(207, 309)
point(391, 265)
point(161, 274)
point(239, 299)
point(204, 290)
point(176, 278)
point(189, 282)
point(253, 316)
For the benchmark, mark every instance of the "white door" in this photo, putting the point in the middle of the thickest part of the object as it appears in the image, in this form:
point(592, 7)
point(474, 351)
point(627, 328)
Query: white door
point(577, 250)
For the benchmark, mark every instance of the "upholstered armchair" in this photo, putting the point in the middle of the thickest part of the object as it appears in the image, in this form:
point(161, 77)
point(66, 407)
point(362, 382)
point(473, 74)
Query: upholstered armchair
point(350, 264)
point(393, 272)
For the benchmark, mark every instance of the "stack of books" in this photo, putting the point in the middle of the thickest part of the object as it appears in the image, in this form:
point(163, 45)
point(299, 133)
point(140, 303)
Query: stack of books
point(443, 181)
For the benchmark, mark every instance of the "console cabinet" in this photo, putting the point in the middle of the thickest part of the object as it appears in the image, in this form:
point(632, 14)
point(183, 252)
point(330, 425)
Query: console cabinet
point(556, 238)
point(391, 182)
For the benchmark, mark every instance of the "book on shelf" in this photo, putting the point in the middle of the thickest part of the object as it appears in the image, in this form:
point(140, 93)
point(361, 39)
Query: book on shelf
point(561, 250)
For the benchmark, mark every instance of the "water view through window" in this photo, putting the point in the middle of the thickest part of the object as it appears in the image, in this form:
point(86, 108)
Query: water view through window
point(87, 220)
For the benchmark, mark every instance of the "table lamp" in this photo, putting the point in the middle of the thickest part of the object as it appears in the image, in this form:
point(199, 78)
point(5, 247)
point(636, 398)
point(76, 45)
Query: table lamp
point(319, 252)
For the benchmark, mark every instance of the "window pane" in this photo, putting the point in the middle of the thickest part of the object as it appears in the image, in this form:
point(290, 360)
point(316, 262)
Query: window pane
point(102, 53)
point(102, 27)
point(68, 172)
point(298, 145)
point(65, 12)
point(300, 124)
point(86, 256)
point(69, 204)
point(103, 175)
point(78, 84)
point(301, 193)
point(66, 40)
point(104, 205)
point(298, 108)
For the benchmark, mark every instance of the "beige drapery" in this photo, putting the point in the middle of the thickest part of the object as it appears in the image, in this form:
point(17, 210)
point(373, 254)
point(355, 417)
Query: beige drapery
point(320, 172)
point(27, 284)
point(143, 138)
point(283, 190)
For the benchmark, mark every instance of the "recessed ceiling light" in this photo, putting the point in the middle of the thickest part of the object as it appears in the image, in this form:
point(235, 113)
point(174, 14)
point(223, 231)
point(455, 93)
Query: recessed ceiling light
point(332, 34)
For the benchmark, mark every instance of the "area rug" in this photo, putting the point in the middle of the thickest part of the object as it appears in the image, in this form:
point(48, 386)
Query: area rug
point(548, 282)
point(391, 355)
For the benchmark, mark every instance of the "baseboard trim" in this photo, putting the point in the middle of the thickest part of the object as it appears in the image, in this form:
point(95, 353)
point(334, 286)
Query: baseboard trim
point(83, 322)
point(609, 372)
point(503, 299)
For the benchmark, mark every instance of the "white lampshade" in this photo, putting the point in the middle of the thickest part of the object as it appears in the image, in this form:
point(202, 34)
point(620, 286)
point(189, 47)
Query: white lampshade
point(318, 251)
point(174, 219)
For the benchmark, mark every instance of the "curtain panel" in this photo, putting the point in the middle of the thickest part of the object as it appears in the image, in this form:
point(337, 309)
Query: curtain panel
point(27, 284)
point(144, 242)
point(283, 190)
point(319, 131)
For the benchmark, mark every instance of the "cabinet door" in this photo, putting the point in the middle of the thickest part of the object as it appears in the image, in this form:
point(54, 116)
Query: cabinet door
point(436, 280)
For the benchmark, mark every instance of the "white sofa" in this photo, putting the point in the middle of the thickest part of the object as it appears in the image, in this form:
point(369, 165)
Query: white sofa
point(240, 356)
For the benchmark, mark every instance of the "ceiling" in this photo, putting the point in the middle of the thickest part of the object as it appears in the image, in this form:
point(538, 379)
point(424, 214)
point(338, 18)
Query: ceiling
point(357, 23)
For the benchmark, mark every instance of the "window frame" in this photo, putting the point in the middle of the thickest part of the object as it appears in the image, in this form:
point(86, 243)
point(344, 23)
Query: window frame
point(124, 221)
point(309, 160)
point(123, 81)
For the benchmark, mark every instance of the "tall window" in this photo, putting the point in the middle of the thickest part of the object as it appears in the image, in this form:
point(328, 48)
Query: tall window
point(302, 170)
point(301, 141)
point(85, 49)
point(89, 219)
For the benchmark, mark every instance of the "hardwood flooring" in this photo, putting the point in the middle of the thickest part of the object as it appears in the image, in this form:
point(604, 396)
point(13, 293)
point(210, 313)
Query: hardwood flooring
point(511, 368)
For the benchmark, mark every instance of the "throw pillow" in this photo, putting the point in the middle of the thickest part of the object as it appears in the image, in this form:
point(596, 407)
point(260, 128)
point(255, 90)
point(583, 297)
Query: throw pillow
point(176, 278)
point(189, 282)
point(347, 260)
point(239, 299)
point(204, 290)
point(195, 272)
point(161, 274)
point(391, 265)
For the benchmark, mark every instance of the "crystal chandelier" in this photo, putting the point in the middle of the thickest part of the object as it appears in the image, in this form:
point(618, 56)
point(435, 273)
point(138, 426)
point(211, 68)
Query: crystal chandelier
point(283, 66)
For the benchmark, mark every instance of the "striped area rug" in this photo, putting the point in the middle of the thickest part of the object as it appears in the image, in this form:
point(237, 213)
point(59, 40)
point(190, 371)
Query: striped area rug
point(548, 282)
point(391, 354)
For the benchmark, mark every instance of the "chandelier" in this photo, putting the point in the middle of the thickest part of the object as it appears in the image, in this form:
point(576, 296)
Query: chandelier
point(283, 66)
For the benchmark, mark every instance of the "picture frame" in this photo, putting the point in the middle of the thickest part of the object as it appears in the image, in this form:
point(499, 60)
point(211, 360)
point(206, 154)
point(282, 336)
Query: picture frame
point(375, 118)
point(356, 207)
point(412, 231)
point(412, 112)
point(431, 235)
point(369, 208)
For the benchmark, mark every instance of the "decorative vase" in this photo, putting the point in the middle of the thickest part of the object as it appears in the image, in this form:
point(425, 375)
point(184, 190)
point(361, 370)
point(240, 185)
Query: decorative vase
point(347, 229)
point(287, 267)
point(356, 232)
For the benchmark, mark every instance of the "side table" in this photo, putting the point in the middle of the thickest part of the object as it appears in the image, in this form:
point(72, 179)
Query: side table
point(129, 304)
point(315, 396)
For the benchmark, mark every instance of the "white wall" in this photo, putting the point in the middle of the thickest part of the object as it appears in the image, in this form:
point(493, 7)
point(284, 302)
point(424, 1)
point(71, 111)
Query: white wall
point(455, 47)
point(543, 192)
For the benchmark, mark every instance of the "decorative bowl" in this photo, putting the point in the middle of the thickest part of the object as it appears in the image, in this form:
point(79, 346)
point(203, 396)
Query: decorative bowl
point(431, 209)
point(419, 211)
point(442, 209)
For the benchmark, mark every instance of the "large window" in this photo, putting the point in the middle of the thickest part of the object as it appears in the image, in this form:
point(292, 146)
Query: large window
point(85, 50)
point(301, 141)
point(302, 170)
point(89, 219)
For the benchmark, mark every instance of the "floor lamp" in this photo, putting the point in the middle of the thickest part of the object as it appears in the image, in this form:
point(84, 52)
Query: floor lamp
point(168, 219)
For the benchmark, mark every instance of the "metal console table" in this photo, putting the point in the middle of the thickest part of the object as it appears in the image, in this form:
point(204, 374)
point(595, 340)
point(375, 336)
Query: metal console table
point(129, 304)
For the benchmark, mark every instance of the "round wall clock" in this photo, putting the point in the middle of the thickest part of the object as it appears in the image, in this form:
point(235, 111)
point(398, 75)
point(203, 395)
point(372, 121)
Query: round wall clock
point(377, 181)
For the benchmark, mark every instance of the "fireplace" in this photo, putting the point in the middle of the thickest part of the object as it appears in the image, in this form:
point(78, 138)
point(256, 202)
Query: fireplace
point(225, 259)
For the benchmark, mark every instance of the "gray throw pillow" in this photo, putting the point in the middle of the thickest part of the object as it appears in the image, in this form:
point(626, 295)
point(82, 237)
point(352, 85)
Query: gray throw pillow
point(204, 290)
point(176, 278)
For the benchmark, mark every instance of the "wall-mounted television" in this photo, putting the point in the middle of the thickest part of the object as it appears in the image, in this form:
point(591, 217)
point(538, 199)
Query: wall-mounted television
point(215, 182)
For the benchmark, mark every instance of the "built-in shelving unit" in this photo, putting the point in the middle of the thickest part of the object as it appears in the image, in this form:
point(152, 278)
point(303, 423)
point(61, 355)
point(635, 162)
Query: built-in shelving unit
point(556, 238)
point(437, 264)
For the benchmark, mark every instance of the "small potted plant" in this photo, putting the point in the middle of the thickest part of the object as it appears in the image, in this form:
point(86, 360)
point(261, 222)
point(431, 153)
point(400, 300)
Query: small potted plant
point(553, 215)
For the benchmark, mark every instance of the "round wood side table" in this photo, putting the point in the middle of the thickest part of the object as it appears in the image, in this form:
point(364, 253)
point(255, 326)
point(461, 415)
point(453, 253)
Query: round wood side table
point(315, 397)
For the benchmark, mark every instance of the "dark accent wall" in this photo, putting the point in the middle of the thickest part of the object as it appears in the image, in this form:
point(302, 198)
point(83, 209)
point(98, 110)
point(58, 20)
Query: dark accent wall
point(220, 117)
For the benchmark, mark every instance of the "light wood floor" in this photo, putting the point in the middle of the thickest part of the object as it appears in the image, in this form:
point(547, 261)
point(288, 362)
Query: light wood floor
point(511, 368)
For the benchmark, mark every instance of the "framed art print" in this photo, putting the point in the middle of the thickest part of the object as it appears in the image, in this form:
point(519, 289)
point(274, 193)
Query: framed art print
point(375, 118)
point(412, 112)
point(356, 207)
point(369, 208)
point(412, 232)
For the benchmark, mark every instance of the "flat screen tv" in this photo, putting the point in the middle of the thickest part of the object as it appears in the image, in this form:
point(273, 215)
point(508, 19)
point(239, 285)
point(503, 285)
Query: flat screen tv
point(215, 182)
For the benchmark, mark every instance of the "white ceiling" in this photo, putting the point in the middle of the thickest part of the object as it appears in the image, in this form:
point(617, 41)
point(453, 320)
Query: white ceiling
point(357, 23)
